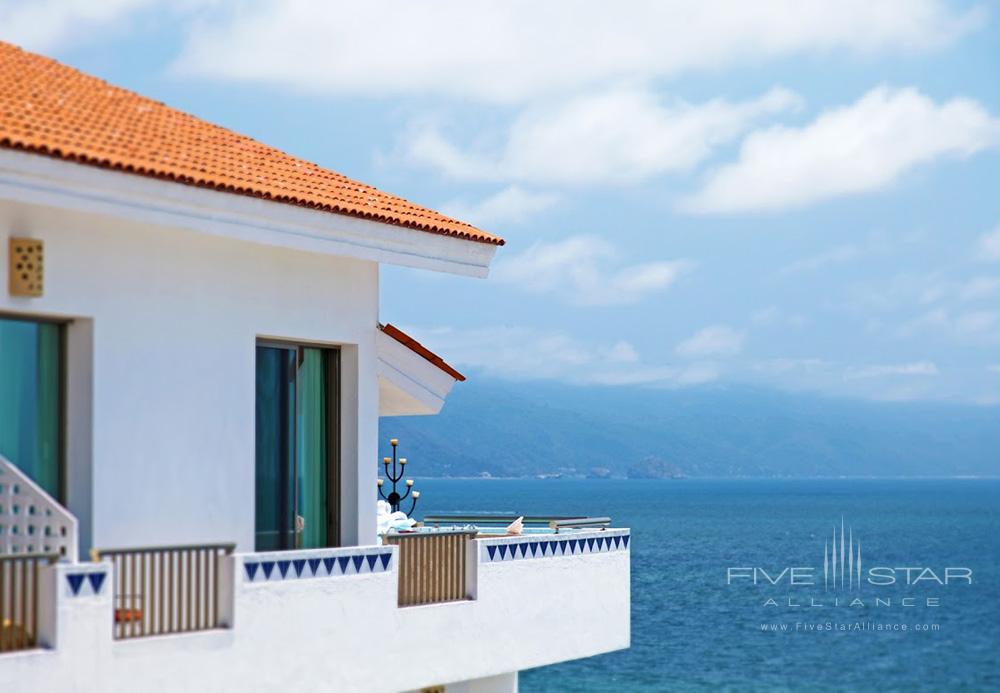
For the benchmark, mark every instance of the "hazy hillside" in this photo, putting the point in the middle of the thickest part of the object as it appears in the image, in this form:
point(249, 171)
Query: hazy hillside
point(524, 429)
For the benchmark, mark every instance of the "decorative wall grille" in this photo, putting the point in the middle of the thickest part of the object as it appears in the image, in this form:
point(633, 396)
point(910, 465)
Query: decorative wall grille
point(31, 521)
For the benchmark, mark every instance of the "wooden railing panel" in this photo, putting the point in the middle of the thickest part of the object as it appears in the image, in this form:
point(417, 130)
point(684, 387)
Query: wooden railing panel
point(163, 590)
point(19, 585)
point(432, 566)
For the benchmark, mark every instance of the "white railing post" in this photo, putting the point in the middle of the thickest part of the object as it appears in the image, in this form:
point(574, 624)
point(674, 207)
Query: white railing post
point(32, 521)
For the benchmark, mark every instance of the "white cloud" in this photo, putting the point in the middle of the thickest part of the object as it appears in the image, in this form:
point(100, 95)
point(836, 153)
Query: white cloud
point(772, 315)
point(622, 352)
point(979, 288)
point(712, 341)
point(989, 244)
point(46, 25)
point(512, 205)
point(993, 368)
point(520, 353)
point(514, 50)
point(786, 365)
point(854, 149)
point(616, 136)
point(974, 325)
point(833, 256)
point(916, 368)
point(584, 270)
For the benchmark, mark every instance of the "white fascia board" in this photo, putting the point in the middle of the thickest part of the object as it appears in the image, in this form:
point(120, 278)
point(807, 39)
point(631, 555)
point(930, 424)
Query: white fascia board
point(41, 180)
point(417, 385)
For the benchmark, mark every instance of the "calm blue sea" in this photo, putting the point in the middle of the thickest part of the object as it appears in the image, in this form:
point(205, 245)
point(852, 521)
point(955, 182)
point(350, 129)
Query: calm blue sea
point(692, 631)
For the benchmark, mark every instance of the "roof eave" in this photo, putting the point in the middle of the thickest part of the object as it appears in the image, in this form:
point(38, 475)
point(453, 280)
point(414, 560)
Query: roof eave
point(409, 383)
point(36, 179)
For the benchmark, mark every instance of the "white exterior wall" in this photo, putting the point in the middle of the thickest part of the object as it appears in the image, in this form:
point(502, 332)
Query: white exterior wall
point(161, 377)
point(343, 632)
point(167, 289)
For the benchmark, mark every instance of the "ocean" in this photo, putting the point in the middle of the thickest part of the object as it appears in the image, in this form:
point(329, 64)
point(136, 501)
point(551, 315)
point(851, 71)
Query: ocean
point(692, 631)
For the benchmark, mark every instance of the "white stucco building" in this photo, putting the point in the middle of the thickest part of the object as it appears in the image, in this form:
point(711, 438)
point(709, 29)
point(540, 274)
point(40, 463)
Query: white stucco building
point(192, 371)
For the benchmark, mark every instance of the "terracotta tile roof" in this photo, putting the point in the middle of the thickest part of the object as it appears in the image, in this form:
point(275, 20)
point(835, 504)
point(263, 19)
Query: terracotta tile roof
point(418, 348)
point(52, 109)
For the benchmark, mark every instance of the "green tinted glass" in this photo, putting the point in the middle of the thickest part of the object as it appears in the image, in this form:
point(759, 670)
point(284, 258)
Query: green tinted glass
point(30, 400)
point(295, 447)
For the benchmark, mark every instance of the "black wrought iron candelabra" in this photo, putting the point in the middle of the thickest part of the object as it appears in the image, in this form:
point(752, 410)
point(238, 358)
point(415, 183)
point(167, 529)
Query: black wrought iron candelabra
point(398, 469)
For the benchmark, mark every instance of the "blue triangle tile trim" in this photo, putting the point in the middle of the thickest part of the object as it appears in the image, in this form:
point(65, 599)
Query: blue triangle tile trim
point(314, 565)
point(96, 580)
point(267, 566)
point(75, 582)
point(251, 569)
point(343, 561)
point(283, 568)
point(516, 550)
point(328, 563)
point(371, 562)
point(300, 565)
point(385, 558)
point(358, 560)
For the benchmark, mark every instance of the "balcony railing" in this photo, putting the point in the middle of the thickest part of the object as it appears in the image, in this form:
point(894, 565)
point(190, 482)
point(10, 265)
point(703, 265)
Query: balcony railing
point(166, 589)
point(19, 578)
point(555, 522)
point(432, 566)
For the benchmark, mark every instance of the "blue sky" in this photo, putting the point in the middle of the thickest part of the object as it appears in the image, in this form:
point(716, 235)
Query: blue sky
point(799, 195)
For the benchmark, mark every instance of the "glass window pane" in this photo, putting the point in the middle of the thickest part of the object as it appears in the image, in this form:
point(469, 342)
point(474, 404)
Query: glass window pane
point(275, 411)
point(312, 448)
point(30, 399)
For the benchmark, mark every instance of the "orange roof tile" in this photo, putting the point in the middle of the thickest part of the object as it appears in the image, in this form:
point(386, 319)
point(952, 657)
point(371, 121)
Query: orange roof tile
point(52, 109)
point(418, 348)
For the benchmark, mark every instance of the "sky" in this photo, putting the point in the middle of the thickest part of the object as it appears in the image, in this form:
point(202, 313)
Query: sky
point(800, 195)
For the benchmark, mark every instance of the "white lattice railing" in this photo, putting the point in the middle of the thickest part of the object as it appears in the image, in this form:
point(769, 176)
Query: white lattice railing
point(31, 521)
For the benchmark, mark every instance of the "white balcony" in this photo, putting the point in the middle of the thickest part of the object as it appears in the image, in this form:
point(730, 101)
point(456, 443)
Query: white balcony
point(282, 621)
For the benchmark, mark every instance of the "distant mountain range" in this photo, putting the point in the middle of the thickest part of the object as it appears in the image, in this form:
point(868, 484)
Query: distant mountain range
point(502, 429)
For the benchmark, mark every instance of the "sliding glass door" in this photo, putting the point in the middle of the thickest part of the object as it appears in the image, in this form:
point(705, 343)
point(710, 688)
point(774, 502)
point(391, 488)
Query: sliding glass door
point(31, 400)
point(297, 447)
